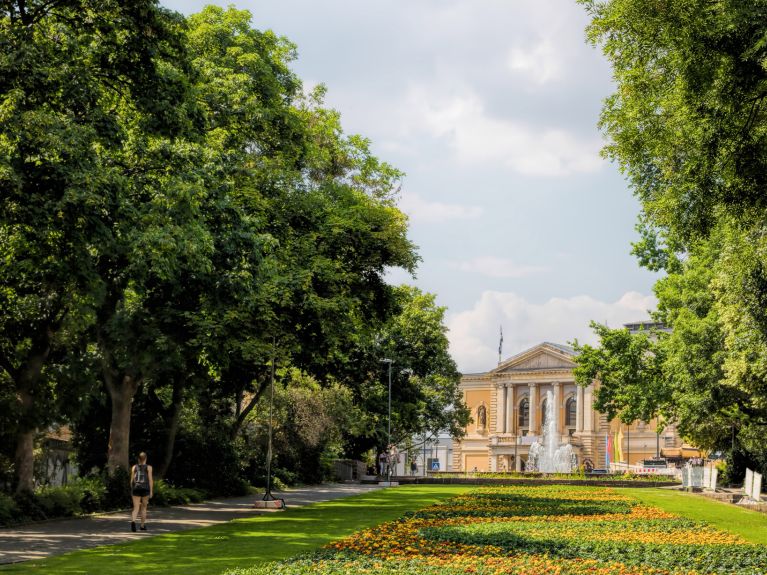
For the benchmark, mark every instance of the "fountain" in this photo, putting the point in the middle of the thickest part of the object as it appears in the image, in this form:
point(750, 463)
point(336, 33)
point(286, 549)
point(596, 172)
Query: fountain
point(550, 456)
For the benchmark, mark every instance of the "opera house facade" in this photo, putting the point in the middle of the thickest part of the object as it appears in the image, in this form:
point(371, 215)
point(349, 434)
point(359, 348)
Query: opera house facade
point(508, 404)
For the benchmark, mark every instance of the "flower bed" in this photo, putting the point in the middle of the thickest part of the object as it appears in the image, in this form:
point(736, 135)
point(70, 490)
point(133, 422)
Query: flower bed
point(536, 530)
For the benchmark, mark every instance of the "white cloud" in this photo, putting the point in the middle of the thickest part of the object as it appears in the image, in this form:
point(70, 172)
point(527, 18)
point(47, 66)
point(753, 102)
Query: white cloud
point(494, 267)
point(420, 210)
point(477, 138)
point(539, 62)
point(474, 333)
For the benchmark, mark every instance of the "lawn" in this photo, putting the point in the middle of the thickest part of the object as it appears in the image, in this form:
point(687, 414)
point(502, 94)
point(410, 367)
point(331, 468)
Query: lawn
point(244, 542)
point(455, 530)
point(549, 530)
point(750, 525)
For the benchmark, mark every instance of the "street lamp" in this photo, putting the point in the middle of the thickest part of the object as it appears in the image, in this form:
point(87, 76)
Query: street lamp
point(388, 441)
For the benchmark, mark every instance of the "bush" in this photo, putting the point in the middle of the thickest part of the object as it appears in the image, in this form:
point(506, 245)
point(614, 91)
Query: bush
point(93, 492)
point(59, 501)
point(165, 494)
point(9, 511)
point(117, 489)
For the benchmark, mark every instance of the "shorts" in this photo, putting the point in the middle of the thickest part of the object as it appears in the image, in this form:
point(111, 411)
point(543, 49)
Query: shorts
point(140, 491)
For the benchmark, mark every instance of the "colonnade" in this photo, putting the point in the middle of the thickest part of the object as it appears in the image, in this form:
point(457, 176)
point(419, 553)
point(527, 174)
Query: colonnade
point(509, 395)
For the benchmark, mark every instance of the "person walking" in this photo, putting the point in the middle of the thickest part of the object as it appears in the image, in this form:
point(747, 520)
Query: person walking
point(142, 489)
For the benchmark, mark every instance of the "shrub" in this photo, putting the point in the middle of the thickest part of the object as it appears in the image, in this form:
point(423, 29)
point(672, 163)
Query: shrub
point(117, 489)
point(166, 494)
point(93, 493)
point(9, 511)
point(59, 501)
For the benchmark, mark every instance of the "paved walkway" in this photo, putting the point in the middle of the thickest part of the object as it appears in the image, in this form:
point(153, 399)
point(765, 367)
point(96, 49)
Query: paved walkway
point(55, 537)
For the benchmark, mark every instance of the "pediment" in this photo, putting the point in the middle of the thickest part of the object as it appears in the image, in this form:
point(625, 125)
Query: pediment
point(540, 358)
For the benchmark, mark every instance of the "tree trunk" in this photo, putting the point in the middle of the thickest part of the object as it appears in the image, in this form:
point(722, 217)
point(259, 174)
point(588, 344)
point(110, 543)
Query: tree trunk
point(26, 379)
point(243, 412)
point(171, 426)
point(25, 461)
point(121, 391)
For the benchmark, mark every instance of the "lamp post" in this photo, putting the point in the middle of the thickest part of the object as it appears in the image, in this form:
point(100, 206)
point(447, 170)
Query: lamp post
point(388, 433)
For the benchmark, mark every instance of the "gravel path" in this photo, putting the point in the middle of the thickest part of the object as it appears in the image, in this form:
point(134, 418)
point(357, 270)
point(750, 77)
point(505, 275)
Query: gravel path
point(61, 536)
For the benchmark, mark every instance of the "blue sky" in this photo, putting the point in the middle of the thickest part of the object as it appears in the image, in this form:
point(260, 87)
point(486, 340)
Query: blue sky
point(491, 109)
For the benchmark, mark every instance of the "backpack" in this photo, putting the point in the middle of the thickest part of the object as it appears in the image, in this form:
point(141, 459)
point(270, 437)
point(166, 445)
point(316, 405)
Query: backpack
point(140, 477)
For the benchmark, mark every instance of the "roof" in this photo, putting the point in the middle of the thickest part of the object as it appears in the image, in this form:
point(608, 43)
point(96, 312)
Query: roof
point(562, 347)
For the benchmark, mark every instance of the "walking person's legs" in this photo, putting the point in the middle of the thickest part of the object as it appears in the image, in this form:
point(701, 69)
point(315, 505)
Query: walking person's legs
point(144, 505)
point(136, 510)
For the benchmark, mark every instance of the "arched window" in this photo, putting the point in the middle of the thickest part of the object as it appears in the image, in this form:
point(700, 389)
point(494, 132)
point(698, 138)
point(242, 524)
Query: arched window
point(570, 408)
point(524, 414)
point(544, 405)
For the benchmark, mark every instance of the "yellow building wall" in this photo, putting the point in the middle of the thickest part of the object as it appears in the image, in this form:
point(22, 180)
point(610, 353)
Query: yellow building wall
point(473, 399)
point(478, 461)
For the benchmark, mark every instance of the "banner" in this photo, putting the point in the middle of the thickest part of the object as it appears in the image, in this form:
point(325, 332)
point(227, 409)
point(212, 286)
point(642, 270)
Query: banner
point(619, 445)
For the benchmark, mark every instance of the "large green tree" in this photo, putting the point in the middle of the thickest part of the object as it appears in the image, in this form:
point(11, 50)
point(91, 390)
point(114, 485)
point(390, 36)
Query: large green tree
point(316, 227)
point(66, 68)
point(425, 399)
point(687, 125)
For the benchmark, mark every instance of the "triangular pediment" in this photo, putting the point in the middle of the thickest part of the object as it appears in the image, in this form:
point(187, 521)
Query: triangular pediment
point(542, 357)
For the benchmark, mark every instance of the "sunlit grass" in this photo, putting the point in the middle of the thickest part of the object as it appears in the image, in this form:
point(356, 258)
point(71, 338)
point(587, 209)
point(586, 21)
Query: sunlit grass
point(750, 525)
point(244, 542)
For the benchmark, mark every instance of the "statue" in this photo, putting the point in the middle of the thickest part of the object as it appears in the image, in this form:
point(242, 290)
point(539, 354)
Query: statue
point(481, 417)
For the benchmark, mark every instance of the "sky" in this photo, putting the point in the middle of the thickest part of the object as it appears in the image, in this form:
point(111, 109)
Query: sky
point(490, 107)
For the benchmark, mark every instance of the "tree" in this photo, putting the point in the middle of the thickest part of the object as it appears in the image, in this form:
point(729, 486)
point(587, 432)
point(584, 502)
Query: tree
point(425, 395)
point(687, 126)
point(66, 66)
point(630, 371)
point(301, 256)
point(687, 121)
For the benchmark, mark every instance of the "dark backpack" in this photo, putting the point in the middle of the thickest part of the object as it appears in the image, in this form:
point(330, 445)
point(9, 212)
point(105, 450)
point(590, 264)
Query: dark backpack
point(140, 477)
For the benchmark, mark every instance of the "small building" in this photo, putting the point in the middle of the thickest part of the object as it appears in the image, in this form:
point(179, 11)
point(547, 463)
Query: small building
point(508, 405)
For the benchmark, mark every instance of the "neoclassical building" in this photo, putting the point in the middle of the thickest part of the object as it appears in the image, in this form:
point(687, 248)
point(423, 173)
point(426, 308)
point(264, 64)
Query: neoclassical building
point(508, 404)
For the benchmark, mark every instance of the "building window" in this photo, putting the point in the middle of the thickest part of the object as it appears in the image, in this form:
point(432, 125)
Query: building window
point(524, 413)
point(570, 407)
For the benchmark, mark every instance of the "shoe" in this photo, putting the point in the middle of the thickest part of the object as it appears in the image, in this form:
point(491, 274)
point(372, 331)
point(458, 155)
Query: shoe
point(143, 527)
point(133, 526)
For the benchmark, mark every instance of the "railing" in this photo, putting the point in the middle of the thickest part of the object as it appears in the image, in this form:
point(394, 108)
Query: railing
point(641, 470)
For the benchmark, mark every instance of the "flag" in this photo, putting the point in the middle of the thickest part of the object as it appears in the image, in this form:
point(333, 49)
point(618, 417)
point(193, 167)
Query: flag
point(608, 451)
point(500, 346)
point(619, 444)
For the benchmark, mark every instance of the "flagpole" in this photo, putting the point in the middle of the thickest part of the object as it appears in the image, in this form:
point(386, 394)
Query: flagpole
point(500, 346)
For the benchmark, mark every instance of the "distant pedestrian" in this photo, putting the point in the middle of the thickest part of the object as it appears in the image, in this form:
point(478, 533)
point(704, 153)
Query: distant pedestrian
point(413, 467)
point(142, 489)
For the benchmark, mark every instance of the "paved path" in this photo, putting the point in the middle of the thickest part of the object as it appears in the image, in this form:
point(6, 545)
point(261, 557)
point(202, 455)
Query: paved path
point(61, 536)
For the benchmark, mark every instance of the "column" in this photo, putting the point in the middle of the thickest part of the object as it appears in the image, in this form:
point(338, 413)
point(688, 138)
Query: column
point(588, 408)
point(518, 463)
point(578, 409)
point(558, 407)
point(500, 408)
point(510, 409)
point(533, 408)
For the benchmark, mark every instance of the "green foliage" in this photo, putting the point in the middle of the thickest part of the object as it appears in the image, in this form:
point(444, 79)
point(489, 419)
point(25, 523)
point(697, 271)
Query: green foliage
point(9, 510)
point(208, 460)
point(425, 395)
point(173, 219)
point(629, 368)
point(165, 494)
point(687, 121)
point(309, 423)
point(686, 125)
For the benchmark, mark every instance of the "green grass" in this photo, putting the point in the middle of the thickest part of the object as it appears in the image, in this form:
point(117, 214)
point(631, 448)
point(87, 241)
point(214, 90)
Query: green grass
point(751, 525)
point(244, 542)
